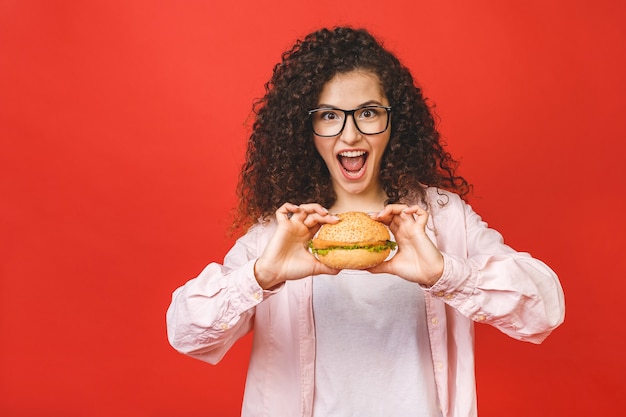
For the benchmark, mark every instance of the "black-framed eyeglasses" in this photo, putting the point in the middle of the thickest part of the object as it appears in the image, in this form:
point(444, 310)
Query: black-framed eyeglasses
point(369, 120)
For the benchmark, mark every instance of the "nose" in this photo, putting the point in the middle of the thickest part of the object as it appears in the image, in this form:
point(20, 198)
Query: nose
point(350, 133)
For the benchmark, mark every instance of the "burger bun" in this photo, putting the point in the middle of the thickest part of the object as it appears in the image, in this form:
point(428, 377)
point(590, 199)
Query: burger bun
point(343, 241)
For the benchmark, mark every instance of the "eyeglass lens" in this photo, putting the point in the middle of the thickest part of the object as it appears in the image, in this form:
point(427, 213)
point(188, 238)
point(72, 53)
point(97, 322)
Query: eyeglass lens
point(369, 120)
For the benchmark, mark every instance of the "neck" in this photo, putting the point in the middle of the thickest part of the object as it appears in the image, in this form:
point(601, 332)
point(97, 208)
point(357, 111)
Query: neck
point(368, 202)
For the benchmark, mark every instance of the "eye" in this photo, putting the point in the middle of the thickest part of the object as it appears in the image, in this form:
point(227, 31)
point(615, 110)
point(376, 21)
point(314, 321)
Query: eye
point(369, 113)
point(329, 115)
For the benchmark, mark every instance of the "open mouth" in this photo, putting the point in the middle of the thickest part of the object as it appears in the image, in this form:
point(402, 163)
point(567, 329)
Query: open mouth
point(352, 162)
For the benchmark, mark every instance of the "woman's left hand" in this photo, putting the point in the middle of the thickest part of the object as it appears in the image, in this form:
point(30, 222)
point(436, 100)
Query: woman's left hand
point(417, 259)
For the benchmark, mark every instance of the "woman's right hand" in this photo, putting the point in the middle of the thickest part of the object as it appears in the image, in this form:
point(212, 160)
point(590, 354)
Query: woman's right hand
point(287, 256)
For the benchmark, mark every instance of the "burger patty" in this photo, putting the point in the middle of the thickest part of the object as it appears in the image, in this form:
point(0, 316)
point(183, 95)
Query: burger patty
point(321, 246)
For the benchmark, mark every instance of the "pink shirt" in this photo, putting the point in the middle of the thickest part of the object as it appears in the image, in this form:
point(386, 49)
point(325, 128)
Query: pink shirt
point(484, 280)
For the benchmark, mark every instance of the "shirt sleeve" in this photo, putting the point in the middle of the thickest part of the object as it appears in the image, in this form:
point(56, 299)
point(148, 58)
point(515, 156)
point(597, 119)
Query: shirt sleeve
point(209, 313)
point(494, 284)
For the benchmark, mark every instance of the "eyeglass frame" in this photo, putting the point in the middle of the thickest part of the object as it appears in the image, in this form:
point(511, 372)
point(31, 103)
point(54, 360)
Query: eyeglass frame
point(350, 113)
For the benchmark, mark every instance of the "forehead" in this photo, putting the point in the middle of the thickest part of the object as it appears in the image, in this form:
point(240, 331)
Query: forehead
point(352, 89)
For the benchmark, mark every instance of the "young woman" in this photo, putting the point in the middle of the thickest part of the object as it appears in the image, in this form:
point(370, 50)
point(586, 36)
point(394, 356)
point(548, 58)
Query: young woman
point(343, 127)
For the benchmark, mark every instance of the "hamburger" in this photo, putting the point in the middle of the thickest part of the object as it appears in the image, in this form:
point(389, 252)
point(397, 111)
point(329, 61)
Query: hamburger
point(355, 242)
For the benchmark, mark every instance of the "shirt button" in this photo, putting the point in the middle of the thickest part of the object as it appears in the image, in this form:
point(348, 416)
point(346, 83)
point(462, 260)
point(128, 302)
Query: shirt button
point(224, 326)
point(448, 296)
point(440, 293)
point(481, 317)
point(256, 296)
point(439, 366)
point(434, 321)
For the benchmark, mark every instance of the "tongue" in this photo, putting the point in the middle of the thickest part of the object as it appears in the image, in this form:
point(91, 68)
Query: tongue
point(352, 164)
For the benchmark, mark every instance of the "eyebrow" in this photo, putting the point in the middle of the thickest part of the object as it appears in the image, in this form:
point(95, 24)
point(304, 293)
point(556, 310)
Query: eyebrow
point(367, 103)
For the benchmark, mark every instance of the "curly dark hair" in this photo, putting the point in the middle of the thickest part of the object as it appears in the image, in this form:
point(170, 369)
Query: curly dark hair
point(282, 163)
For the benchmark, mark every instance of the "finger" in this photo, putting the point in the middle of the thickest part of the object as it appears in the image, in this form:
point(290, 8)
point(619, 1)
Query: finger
point(414, 209)
point(316, 219)
point(313, 208)
point(312, 213)
point(286, 211)
point(420, 216)
point(387, 214)
point(322, 269)
point(381, 268)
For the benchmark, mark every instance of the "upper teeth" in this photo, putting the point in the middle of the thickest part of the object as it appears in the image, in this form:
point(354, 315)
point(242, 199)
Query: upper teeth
point(351, 154)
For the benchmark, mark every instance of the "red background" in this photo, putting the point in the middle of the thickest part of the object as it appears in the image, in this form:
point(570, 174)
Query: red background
point(123, 125)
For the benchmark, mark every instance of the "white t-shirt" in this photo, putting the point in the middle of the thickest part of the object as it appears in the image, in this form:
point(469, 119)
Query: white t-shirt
point(372, 349)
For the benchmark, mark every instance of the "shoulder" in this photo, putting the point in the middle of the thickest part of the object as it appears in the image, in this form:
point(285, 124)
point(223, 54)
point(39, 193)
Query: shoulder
point(258, 234)
point(447, 220)
point(252, 243)
point(439, 200)
point(262, 228)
